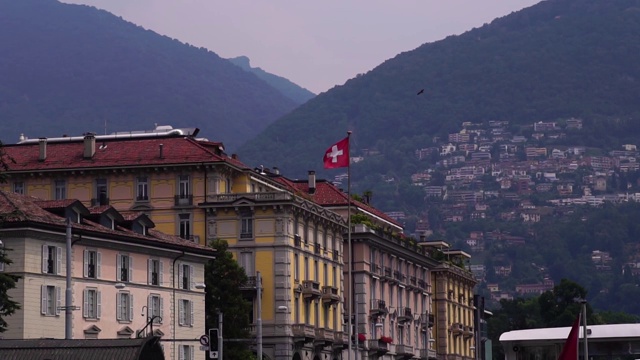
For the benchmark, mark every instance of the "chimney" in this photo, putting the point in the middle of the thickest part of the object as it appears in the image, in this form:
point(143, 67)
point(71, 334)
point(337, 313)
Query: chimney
point(312, 182)
point(161, 154)
point(234, 156)
point(89, 146)
point(43, 149)
point(276, 170)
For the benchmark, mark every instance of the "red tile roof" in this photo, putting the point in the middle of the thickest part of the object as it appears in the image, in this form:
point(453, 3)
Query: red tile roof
point(116, 153)
point(327, 194)
point(16, 208)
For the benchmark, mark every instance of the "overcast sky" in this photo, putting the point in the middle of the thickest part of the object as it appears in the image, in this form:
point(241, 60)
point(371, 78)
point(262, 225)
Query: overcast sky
point(315, 44)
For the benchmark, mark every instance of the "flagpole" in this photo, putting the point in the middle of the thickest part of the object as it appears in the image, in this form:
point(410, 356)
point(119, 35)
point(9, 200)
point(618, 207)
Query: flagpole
point(584, 329)
point(351, 290)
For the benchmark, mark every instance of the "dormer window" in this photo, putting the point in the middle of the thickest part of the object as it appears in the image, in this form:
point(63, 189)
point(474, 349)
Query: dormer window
point(18, 187)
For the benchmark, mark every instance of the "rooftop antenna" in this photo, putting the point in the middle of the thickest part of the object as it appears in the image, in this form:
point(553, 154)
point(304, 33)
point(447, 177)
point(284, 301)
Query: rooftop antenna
point(105, 126)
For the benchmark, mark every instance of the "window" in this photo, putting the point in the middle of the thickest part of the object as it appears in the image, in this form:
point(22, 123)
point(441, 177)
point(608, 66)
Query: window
point(51, 300)
point(142, 189)
point(92, 264)
point(183, 187)
point(185, 226)
point(186, 352)
point(185, 276)
point(227, 185)
point(124, 306)
point(246, 230)
point(335, 277)
point(155, 269)
point(326, 275)
point(307, 312)
point(124, 271)
point(296, 310)
point(373, 288)
point(246, 262)
point(306, 268)
point(296, 268)
point(51, 259)
point(316, 275)
point(18, 187)
point(185, 313)
point(102, 193)
point(155, 307)
point(91, 308)
point(60, 189)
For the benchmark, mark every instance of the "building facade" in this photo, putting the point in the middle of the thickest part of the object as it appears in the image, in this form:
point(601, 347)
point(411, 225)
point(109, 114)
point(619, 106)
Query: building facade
point(127, 280)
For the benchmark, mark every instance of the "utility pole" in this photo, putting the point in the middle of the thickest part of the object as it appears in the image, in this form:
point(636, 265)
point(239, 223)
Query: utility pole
point(67, 294)
point(584, 329)
point(259, 319)
point(220, 336)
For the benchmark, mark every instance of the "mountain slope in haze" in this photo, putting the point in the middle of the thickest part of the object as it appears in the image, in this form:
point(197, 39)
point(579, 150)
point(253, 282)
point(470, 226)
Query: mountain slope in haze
point(69, 69)
point(559, 58)
point(294, 92)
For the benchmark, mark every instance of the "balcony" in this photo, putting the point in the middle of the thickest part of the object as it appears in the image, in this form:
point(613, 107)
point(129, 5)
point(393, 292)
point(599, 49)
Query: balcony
point(311, 289)
point(378, 347)
point(324, 337)
point(375, 269)
point(330, 295)
point(378, 307)
point(183, 200)
point(404, 315)
point(426, 354)
point(100, 201)
point(467, 331)
point(340, 341)
point(257, 197)
point(404, 351)
point(412, 281)
point(456, 329)
point(303, 333)
point(427, 320)
point(251, 285)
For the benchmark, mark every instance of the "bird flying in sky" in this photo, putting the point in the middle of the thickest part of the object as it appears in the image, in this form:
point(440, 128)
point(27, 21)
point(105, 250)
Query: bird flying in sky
point(420, 92)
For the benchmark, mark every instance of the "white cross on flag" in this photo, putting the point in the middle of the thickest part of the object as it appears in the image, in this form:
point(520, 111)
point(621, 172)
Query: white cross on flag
point(337, 155)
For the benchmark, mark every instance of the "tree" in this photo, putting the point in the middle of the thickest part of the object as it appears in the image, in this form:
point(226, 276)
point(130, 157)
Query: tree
point(7, 281)
point(224, 278)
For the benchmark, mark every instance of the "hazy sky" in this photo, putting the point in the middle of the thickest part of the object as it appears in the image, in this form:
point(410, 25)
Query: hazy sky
point(316, 44)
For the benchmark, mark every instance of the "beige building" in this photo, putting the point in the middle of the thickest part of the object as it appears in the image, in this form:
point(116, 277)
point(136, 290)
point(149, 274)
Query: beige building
point(128, 280)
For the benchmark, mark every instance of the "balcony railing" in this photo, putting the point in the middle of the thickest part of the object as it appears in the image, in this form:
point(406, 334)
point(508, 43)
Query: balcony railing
point(380, 347)
point(426, 354)
point(427, 320)
point(467, 331)
point(378, 307)
point(412, 280)
point(404, 350)
point(404, 315)
point(257, 197)
point(330, 295)
point(251, 284)
point(183, 200)
point(324, 337)
point(375, 269)
point(311, 289)
point(456, 329)
point(303, 332)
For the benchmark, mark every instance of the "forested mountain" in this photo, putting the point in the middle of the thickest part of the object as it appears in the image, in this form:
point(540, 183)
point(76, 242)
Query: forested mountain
point(557, 59)
point(69, 69)
point(294, 92)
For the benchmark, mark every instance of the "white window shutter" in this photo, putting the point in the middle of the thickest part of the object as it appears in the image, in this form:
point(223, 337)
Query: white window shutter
point(190, 277)
point(130, 307)
point(149, 308)
point(149, 270)
point(180, 275)
point(181, 313)
point(85, 302)
point(98, 265)
point(191, 309)
point(161, 313)
point(58, 260)
point(85, 270)
point(98, 304)
point(130, 268)
point(118, 306)
point(59, 300)
point(181, 353)
point(118, 267)
point(45, 257)
point(191, 352)
point(160, 276)
point(43, 304)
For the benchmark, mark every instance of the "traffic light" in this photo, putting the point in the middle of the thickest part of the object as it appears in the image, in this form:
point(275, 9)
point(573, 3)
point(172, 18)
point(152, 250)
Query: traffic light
point(213, 340)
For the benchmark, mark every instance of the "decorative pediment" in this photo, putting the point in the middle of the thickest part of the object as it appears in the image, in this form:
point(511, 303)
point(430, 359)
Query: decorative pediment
point(92, 330)
point(125, 331)
point(158, 332)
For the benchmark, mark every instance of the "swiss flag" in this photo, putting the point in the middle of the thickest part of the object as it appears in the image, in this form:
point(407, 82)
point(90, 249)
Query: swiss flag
point(570, 348)
point(337, 155)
